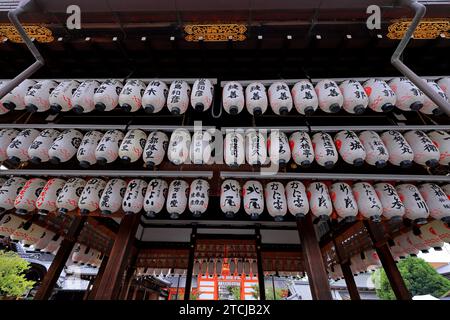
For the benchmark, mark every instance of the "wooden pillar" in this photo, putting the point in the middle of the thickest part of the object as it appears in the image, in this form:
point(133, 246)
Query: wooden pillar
point(190, 269)
point(129, 273)
point(376, 233)
point(261, 282)
point(315, 267)
point(58, 263)
point(350, 281)
point(111, 279)
point(98, 277)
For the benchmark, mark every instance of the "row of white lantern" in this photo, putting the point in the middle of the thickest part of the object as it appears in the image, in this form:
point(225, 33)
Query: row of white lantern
point(84, 255)
point(214, 266)
point(360, 263)
point(330, 97)
point(92, 95)
point(253, 147)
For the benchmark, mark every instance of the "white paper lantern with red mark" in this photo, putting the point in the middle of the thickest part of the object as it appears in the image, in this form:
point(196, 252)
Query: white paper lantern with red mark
point(350, 147)
point(9, 223)
point(33, 235)
point(65, 146)
point(112, 196)
point(233, 97)
point(38, 150)
point(15, 99)
point(178, 98)
point(202, 95)
point(400, 152)
point(107, 149)
point(441, 229)
point(78, 253)
point(230, 197)
point(17, 150)
point(278, 147)
point(106, 98)
point(301, 148)
point(276, 202)
point(83, 97)
point(393, 207)
point(44, 240)
point(409, 97)
point(330, 96)
point(60, 99)
point(26, 199)
point(133, 200)
point(437, 201)
point(305, 98)
point(418, 242)
point(155, 148)
point(155, 197)
point(256, 150)
point(280, 98)
point(397, 251)
point(179, 146)
point(54, 244)
point(381, 97)
point(46, 202)
point(155, 96)
point(200, 149)
point(343, 201)
point(355, 97)
point(9, 192)
point(441, 140)
point(430, 237)
point(177, 198)
point(425, 152)
point(132, 146)
point(70, 194)
point(21, 232)
point(253, 197)
point(130, 98)
point(444, 84)
point(90, 197)
point(6, 137)
point(198, 197)
point(429, 107)
point(376, 152)
point(319, 200)
point(415, 206)
point(369, 204)
point(37, 98)
point(86, 151)
point(256, 100)
point(325, 152)
point(234, 149)
point(297, 200)
point(407, 245)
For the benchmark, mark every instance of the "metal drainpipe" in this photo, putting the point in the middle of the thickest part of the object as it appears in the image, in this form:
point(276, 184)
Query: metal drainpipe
point(13, 17)
point(408, 73)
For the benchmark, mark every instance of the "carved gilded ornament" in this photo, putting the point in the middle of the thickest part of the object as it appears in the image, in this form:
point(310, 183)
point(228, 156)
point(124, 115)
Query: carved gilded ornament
point(215, 32)
point(38, 32)
point(427, 28)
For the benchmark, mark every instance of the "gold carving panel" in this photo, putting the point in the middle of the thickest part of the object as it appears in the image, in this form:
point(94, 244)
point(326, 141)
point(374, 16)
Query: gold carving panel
point(215, 32)
point(427, 28)
point(38, 32)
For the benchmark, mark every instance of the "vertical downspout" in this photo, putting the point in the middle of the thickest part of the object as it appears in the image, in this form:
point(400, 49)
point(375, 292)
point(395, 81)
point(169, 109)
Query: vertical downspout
point(13, 17)
point(408, 73)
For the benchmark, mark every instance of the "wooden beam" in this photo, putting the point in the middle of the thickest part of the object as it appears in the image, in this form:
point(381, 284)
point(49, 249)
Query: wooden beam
point(112, 278)
point(190, 268)
point(376, 234)
point(129, 273)
point(48, 283)
point(315, 267)
point(261, 282)
point(350, 281)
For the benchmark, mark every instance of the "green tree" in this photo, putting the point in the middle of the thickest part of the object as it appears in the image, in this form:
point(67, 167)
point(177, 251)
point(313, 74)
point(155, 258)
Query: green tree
point(269, 293)
point(12, 278)
point(420, 278)
point(235, 291)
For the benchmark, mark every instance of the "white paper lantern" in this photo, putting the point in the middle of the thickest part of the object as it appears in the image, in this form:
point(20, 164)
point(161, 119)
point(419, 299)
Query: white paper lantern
point(444, 84)
point(429, 107)
point(15, 100)
point(376, 152)
point(418, 242)
point(276, 202)
point(38, 150)
point(329, 95)
point(86, 151)
point(46, 202)
point(430, 237)
point(319, 200)
point(437, 201)
point(301, 149)
point(202, 95)
point(297, 200)
point(155, 197)
point(60, 99)
point(233, 97)
point(406, 244)
point(54, 244)
point(155, 148)
point(108, 148)
point(132, 146)
point(425, 152)
point(325, 152)
point(409, 97)
point(44, 241)
point(446, 189)
point(441, 229)
point(179, 146)
point(130, 98)
point(112, 196)
point(230, 197)
point(253, 196)
point(234, 149)
point(381, 97)
point(78, 253)
point(70, 194)
point(65, 146)
point(3, 109)
point(25, 201)
point(17, 150)
point(441, 140)
point(10, 223)
point(393, 207)
point(280, 98)
point(177, 198)
point(133, 199)
point(37, 98)
point(278, 147)
point(369, 204)
point(178, 99)
point(350, 147)
point(106, 98)
point(200, 148)
point(255, 151)
point(198, 197)
point(33, 235)
point(343, 201)
point(155, 96)
point(9, 191)
point(256, 98)
point(415, 206)
point(305, 98)
point(400, 152)
point(6, 137)
point(90, 197)
point(83, 97)
point(355, 98)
